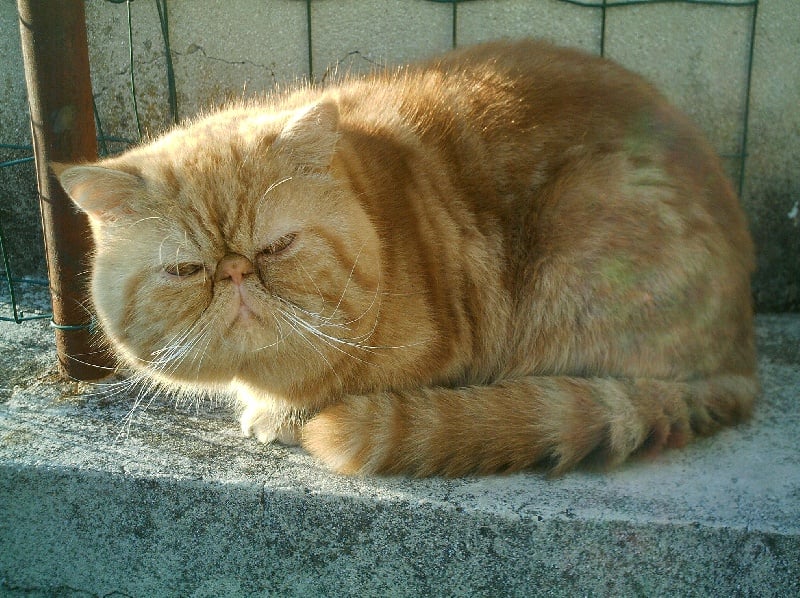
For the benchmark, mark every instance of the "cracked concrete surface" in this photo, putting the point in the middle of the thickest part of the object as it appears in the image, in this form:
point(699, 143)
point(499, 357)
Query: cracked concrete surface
point(179, 504)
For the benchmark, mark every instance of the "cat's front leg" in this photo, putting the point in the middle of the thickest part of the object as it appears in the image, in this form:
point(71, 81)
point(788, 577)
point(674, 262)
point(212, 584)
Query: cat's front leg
point(267, 425)
point(268, 419)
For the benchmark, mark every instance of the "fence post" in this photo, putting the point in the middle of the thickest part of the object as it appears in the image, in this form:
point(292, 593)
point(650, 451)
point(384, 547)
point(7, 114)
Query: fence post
point(56, 56)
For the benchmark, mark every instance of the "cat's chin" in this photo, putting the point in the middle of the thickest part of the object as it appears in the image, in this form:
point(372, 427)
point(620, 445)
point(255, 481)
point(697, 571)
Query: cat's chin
point(247, 335)
point(245, 330)
point(215, 365)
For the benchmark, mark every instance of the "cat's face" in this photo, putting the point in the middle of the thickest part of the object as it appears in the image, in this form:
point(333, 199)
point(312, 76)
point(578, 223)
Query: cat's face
point(229, 250)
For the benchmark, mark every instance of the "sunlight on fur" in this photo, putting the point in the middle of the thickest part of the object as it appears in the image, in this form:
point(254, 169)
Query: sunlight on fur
point(510, 256)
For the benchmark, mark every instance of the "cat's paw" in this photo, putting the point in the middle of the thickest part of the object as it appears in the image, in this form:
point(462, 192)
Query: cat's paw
point(267, 426)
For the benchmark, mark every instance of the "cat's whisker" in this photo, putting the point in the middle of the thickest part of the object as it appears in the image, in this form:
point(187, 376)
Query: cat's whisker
point(330, 340)
point(281, 335)
point(76, 359)
point(313, 282)
point(140, 220)
point(322, 319)
point(113, 391)
point(170, 357)
point(107, 391)
point(329, 320)
point(205, 332)
point(376, 298)
point(280, 340)
point(349, 278)
point(354, 342)
point(315, 329)
point(127, 421)
point(269, 190)
point(272, 187)
point(167, 355)
point(300, 332)
point(161, 250)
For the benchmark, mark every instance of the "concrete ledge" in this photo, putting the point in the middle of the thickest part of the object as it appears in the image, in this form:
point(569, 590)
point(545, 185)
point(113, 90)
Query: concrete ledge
point(180, 505)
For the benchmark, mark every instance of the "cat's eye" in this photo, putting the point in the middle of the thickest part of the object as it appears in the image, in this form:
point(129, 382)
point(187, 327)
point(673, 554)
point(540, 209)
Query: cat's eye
point(280, 244)
point(182, 269)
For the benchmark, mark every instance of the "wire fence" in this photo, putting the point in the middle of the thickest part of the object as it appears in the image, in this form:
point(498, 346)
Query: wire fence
point(14, 156)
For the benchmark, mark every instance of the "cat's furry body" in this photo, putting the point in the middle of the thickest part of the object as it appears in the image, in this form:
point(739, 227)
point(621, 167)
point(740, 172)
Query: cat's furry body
point(509, 256)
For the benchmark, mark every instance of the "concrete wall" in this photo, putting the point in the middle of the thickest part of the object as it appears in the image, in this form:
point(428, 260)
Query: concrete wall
point(697, 54)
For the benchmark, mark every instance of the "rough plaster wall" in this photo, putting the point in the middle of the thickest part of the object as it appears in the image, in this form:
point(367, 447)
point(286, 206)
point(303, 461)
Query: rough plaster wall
point(240, 48)
point(353, 35)
point(555, 21)
point(772, 189)
point(697, 55)
point(19, 210)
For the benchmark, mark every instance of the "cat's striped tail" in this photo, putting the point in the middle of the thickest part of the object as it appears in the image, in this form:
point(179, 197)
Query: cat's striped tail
point(555, 422)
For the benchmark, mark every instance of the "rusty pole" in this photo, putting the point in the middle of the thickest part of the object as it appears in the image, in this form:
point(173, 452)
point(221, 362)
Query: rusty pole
point(56, 56)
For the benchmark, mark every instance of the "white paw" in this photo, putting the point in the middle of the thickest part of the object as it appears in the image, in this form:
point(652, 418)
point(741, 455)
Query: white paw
point(268, 426)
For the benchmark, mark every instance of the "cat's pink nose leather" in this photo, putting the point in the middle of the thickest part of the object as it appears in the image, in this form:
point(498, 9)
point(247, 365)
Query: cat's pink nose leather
point(233, 266)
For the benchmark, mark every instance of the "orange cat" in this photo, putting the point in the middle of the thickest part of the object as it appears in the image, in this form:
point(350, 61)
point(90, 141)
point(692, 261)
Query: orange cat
point(513, 255)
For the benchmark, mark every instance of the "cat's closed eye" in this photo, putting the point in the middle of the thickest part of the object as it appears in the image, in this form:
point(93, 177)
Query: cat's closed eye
point(280, 244)
point(183, 269)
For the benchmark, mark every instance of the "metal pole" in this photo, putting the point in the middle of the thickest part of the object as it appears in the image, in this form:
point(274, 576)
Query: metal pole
point(56, 56)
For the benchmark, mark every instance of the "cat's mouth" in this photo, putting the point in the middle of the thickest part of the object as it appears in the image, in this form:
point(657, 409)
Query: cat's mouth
point(244, 312)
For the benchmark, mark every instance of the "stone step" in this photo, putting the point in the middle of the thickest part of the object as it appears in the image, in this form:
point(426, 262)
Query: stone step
point(173, 502)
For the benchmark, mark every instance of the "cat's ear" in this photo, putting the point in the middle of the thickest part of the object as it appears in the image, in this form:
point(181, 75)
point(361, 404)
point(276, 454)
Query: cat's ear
point(310, 136)
point(105, 194)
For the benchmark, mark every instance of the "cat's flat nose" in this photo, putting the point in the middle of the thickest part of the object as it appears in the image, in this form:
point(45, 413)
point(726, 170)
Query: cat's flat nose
point(233, 266)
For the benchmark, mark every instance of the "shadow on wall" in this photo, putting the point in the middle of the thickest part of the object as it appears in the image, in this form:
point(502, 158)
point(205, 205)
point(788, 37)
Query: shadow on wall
point(776, 232)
